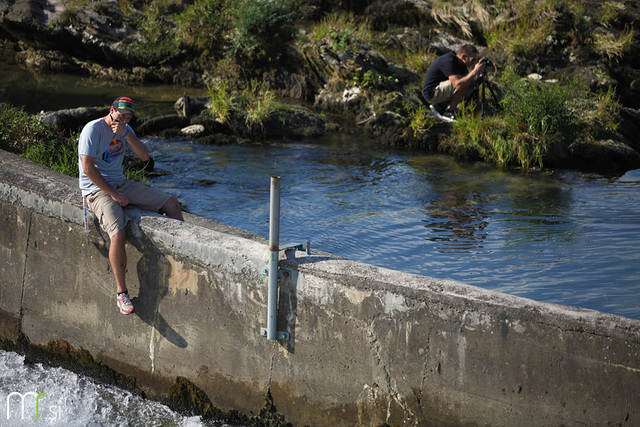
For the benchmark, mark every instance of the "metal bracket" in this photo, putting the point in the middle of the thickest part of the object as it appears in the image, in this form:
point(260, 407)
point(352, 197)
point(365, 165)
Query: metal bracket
point(280, 335)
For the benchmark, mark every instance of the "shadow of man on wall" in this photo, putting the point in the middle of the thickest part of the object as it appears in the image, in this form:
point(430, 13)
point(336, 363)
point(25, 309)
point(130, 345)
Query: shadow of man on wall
point(153, 270)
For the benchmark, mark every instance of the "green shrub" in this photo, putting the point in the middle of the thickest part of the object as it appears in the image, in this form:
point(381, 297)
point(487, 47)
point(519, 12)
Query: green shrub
point(259, 102)
point(262, 25)
point(202, 24)
point(18, 129)
point(30, 137)
point(343, 33)
point(254, 105)
point(538, 120)
point(541, 107)
point(158, 32)
point(57, 154)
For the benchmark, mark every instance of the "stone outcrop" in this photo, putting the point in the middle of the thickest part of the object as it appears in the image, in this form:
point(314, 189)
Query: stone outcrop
point(290, 122)
point(97, 42)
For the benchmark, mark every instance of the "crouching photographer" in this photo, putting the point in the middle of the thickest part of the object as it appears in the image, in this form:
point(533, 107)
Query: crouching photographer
point(448, 80)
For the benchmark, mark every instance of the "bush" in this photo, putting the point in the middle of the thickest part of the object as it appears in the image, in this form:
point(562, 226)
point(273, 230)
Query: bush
point(159, 41)
point(537, 120)
point(30, 137)
point(342, 33)
point(263, 25)
point(18, 129)
point(541, 107)
point(57, 154)
point(201, 25)
point(538, 123)
point(252, 107)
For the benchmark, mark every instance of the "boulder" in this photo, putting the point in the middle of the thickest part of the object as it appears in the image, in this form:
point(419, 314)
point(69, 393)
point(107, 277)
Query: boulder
point(193, 106)
point(193, 130)
point(74, 119)
point(294, 122)
point(156, 125)
point(604, 156)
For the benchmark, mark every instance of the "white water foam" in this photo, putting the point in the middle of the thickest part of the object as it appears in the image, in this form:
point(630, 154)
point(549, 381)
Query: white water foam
point(34, 395)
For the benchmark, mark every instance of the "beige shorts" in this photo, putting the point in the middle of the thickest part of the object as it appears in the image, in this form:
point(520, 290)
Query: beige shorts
point(445, 91)
point(111, 216)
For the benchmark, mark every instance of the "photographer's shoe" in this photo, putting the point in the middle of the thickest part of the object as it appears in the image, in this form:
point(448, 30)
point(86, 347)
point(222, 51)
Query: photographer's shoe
point(446, 115)
point(449, 115)
point(436, 109)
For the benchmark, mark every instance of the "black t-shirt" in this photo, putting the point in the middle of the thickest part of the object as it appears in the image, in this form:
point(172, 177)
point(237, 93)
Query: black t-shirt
point(440, 70)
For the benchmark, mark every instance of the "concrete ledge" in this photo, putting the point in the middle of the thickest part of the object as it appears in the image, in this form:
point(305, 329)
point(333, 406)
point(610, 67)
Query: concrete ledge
point(367, 345)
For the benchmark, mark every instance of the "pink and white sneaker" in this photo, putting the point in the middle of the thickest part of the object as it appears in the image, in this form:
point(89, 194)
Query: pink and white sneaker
point(124, 304)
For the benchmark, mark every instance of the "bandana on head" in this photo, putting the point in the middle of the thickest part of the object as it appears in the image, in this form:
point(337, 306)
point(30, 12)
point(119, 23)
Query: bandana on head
point(125, 103)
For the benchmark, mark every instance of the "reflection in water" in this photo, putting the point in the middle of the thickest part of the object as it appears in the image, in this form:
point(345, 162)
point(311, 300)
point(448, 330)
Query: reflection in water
point(52, 91)
point(458, 220)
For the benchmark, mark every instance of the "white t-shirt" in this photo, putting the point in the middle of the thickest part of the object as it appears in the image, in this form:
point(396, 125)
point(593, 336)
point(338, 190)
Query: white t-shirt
point(97, 140)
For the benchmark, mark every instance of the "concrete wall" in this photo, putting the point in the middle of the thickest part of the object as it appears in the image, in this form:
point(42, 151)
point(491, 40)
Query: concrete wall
point(367, 345)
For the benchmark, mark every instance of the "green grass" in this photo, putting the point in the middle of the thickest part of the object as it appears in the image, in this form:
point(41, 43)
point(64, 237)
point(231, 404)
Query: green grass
point(422, 120)
point(222, 100)
point(538, 122)
point(57, 154)
point(254, 105)
point(30, 137)
point(342, 33)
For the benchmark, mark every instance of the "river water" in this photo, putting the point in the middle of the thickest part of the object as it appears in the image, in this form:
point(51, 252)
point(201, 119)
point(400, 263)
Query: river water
point(562, 237)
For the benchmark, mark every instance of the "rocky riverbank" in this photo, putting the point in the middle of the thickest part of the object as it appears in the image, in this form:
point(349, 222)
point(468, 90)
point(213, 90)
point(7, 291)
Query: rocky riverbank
point(358, 83)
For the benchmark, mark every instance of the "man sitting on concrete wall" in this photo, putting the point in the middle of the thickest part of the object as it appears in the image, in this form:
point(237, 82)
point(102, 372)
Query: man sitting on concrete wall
point(101, 149)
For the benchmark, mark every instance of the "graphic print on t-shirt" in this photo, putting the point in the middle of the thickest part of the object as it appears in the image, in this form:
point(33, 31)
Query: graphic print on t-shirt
point(116, 148)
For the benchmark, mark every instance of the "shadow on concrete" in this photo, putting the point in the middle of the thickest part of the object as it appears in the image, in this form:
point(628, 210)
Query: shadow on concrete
point(152, 270)
point(288, 294)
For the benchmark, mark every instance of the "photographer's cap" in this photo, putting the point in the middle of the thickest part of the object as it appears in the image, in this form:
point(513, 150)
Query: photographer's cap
point(124, 103)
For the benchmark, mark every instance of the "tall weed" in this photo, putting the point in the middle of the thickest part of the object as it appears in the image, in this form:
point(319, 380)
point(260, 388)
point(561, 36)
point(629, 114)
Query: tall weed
point(221, 100)
point(57, 154)
point(540, 107)
point(254, 105)
point(202, 24)
point(262, 25)
point(342, 33)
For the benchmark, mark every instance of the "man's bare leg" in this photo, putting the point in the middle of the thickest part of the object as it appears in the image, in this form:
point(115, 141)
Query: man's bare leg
point(457, 97)
point(118, 259)
point(172, 209)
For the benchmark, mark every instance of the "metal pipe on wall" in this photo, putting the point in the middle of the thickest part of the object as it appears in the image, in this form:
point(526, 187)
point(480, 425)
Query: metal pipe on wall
point(274, 248)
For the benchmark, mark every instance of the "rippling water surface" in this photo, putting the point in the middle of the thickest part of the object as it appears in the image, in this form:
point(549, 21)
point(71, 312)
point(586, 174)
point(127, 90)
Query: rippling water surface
point(565, 237)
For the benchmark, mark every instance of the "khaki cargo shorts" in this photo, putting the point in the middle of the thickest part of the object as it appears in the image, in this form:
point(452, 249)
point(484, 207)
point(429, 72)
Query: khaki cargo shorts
point(111, 216)
point(445, 91)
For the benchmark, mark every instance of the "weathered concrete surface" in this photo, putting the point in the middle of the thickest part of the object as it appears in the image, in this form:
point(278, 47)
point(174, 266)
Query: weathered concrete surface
point(367, 345)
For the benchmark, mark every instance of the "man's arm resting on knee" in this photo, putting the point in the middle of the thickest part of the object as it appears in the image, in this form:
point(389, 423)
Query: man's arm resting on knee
point(138, 148)
point(90, 170)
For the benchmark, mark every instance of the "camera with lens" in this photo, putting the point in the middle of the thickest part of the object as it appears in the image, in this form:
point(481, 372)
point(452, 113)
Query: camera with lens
point(486, 61)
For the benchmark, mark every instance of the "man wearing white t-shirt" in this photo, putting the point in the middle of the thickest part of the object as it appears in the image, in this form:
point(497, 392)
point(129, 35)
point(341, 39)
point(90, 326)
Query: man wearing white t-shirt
point(101, 149)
